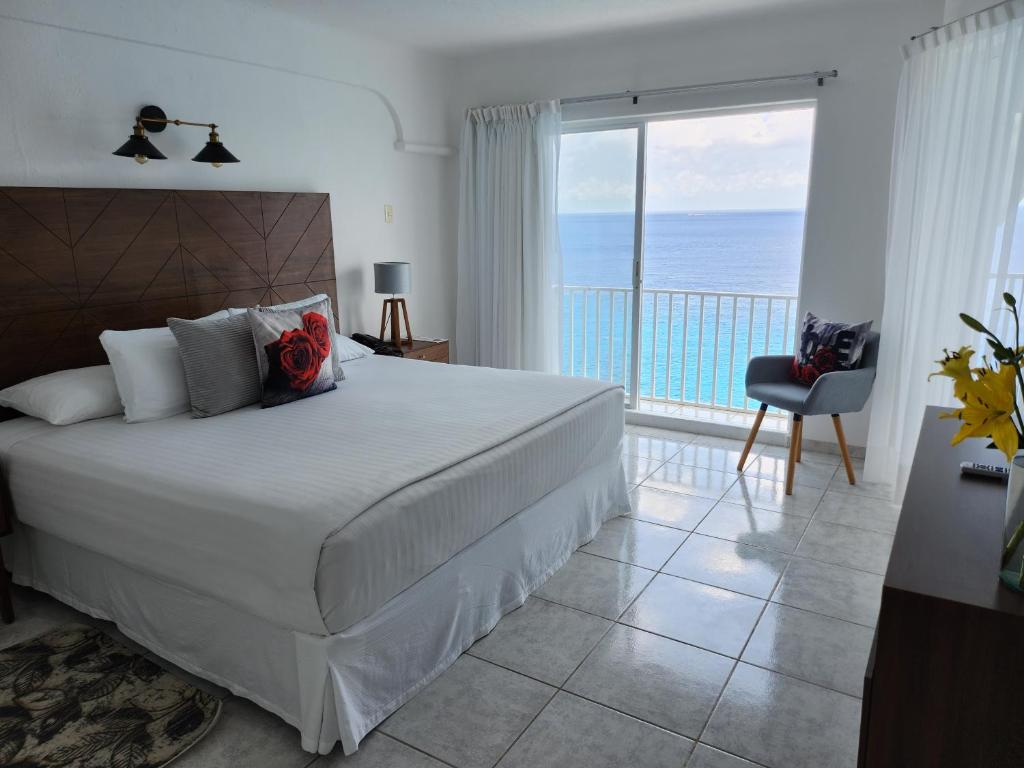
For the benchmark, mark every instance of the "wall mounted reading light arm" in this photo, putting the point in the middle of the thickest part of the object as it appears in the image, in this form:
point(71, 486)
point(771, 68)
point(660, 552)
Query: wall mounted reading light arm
point(154, 120)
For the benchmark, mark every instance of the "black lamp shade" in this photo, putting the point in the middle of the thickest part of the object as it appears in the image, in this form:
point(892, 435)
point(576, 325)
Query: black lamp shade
point(139, 145)
point(214, 152)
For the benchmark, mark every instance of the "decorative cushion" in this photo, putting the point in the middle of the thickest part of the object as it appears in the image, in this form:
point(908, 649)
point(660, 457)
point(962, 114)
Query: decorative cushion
point(148, 370)
point(293, 352)
point(338, 355)
point(220, 363)
point(66, 397)
point(825, 346)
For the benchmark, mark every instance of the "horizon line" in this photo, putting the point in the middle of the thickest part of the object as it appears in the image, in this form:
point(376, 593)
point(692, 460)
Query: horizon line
point(691, 210)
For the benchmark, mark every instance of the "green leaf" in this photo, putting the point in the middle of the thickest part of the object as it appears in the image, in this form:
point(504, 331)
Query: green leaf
point(1009, 299)
point(974, 325)
point(999, 352)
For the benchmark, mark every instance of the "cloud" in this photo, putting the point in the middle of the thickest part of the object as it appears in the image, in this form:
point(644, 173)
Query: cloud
point(749, 161)
point(596, 190)
point(762, 129)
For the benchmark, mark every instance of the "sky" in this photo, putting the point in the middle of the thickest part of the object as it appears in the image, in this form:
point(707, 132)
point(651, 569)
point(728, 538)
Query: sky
point(752, 161)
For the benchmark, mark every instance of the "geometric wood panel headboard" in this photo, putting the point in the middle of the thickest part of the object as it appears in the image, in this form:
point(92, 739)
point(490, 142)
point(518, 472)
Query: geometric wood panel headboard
point(74, 262)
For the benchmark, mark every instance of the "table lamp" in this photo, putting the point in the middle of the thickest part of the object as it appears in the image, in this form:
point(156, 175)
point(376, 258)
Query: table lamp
point(393, 277)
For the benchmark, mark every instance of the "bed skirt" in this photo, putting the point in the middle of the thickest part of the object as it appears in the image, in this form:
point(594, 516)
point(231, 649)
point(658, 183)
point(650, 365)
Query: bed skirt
point(336, 687)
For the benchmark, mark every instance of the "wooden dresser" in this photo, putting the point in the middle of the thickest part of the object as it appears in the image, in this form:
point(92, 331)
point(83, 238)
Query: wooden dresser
point(945, 681)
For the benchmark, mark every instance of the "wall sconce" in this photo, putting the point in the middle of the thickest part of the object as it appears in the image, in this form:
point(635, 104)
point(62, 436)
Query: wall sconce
point(154, 120)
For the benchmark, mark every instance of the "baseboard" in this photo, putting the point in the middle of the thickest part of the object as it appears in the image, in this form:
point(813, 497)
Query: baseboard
point(771, 437)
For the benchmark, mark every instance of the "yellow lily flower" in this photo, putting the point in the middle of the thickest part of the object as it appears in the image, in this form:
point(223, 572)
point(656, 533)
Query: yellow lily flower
point(956, 366)
point(988, 406)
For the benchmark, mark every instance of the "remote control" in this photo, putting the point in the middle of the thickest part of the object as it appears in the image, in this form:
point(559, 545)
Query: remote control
point(984, 470)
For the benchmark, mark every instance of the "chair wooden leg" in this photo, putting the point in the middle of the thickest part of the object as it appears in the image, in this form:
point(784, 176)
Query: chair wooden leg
point(794, 443)
point(800, 442)
point(750, 438)
point(840, 435)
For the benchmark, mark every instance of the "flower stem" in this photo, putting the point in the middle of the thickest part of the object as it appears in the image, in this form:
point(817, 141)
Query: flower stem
point(1020, 378)
point(1013, 543)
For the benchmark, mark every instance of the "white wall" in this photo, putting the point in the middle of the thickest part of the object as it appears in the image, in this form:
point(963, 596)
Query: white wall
point(956, 9)
point(67, 100)
point(842, 275)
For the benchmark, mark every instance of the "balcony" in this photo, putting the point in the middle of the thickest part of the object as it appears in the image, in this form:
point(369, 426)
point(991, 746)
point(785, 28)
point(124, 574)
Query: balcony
point(693, 347)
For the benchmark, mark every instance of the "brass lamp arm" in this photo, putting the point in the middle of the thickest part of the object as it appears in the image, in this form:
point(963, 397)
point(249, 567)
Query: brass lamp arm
point(140, 120)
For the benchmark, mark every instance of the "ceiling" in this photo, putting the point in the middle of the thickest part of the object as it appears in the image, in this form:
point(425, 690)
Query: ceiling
point(462, 26)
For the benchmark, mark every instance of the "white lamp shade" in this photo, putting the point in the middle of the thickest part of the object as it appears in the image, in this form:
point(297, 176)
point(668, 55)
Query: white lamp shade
point(392, 277)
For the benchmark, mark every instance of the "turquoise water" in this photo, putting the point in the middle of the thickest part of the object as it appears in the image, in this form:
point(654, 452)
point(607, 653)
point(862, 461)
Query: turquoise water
point(730, 252)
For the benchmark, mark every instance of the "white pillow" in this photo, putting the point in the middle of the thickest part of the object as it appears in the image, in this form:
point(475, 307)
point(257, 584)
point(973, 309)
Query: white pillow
point(66, 397)
point(149, 372)
point(350, 349)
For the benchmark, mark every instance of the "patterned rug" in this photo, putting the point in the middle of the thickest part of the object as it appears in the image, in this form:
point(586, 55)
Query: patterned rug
point(76, 697)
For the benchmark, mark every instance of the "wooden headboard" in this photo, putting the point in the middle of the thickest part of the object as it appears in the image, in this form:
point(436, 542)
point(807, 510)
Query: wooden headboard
point(74, 262)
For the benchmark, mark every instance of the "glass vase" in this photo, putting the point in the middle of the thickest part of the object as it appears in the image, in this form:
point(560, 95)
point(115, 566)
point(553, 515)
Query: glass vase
point(1011, 572)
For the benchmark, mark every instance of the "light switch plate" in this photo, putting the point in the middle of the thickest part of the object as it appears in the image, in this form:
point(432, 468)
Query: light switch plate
point(389, 214)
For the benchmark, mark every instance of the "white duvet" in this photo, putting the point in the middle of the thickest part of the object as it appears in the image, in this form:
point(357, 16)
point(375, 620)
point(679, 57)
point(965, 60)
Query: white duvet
point(241, 506)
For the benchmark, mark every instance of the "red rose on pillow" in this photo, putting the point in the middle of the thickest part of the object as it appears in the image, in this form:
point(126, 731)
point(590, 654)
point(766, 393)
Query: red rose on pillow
point(300, 359)
point(805, 374)
point(824, 360)
point(316, 326)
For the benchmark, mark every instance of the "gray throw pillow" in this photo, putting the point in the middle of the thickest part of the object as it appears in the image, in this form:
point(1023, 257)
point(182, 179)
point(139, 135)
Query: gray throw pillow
point(220, 363)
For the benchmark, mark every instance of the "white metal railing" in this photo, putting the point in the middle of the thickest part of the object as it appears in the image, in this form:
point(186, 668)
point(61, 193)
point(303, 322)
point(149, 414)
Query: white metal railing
point(694, 345)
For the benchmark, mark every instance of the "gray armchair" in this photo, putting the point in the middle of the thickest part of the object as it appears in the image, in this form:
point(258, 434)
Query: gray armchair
point(833, 393)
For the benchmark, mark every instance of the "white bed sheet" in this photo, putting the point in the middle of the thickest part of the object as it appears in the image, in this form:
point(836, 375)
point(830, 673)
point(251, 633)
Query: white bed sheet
point(326, 508)
point(341, 686)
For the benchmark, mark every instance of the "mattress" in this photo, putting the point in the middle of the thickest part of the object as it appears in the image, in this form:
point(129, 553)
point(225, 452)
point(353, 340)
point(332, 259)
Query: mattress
point(315, 514)
point(342, 685)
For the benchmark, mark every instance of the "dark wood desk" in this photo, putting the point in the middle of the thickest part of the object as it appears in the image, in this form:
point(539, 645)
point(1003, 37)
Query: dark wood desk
point(945, 682)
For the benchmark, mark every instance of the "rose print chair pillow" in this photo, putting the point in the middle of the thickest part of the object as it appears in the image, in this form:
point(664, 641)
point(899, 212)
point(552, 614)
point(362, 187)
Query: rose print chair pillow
point(824, 346)
point(293, 352)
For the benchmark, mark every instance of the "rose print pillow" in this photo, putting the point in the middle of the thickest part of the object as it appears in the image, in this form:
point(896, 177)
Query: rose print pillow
point(825, 346)
point(293, 351)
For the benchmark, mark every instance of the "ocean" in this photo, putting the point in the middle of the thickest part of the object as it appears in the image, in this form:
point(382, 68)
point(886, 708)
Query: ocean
point(732, 252)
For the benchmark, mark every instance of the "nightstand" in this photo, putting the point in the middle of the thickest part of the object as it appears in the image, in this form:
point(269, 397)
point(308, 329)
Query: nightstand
point(434, 351)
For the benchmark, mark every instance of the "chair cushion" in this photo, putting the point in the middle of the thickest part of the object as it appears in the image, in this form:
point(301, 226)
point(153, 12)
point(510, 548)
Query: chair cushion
point(786, 395)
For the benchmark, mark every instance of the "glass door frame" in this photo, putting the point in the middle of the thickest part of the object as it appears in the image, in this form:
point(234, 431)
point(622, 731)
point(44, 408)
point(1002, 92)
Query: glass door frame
point(640, 123)
point(640, 196)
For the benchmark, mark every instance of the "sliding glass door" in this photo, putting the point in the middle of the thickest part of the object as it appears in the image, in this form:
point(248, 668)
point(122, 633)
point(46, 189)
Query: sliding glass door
point(682, 242)
point(600, 231)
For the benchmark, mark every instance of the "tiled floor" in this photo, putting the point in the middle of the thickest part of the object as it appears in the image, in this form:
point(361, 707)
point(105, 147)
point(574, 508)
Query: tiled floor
point(721, 625)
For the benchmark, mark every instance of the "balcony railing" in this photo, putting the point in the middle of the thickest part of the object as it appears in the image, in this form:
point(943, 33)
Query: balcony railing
point(694, 345)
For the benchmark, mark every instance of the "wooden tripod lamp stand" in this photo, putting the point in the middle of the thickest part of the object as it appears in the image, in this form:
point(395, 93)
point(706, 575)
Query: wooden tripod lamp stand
point(393, 277)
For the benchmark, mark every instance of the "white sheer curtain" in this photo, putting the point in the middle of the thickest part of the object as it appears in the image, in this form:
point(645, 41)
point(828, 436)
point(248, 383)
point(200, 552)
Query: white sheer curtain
point(958, 168)
point(509, 266)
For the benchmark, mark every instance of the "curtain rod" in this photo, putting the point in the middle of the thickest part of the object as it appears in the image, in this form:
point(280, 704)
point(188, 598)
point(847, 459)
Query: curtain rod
point(634, 95)
point(957, 21)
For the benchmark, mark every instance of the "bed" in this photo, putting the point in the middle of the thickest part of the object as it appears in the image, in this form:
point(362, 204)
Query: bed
point(329, 558)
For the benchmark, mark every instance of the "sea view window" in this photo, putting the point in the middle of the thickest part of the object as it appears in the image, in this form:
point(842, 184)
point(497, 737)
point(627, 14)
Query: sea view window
point(682, 241)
